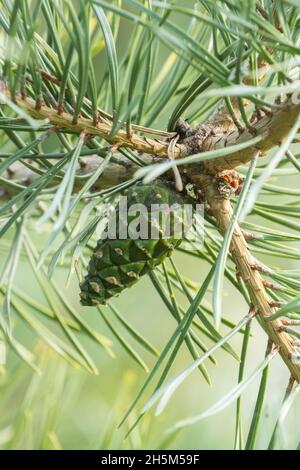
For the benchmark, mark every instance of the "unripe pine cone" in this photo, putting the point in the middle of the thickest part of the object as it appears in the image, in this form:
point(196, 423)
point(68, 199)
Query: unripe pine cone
point(119, 263)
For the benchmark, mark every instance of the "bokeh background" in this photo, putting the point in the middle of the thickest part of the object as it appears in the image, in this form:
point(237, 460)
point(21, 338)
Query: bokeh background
point(69, 408)
point(66, 407)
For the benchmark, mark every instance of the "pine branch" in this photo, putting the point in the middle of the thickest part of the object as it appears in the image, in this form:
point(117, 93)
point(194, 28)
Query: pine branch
point(19, 176)
point(273, 128)
point(249, 272)
point(123, 138)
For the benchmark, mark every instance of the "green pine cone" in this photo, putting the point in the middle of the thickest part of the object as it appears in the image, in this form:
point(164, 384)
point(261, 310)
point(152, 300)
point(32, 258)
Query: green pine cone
point(119, 263)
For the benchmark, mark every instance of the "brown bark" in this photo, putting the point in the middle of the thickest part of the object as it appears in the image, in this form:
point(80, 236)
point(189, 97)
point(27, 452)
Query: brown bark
point(211, 135)
point(247, 268)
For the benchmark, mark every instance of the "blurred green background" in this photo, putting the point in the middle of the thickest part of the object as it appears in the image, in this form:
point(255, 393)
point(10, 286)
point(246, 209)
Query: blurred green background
point(65, 407)
point(69, 408)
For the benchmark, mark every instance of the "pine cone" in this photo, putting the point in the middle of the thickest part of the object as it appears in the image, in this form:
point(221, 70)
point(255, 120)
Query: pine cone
point(119, 263)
